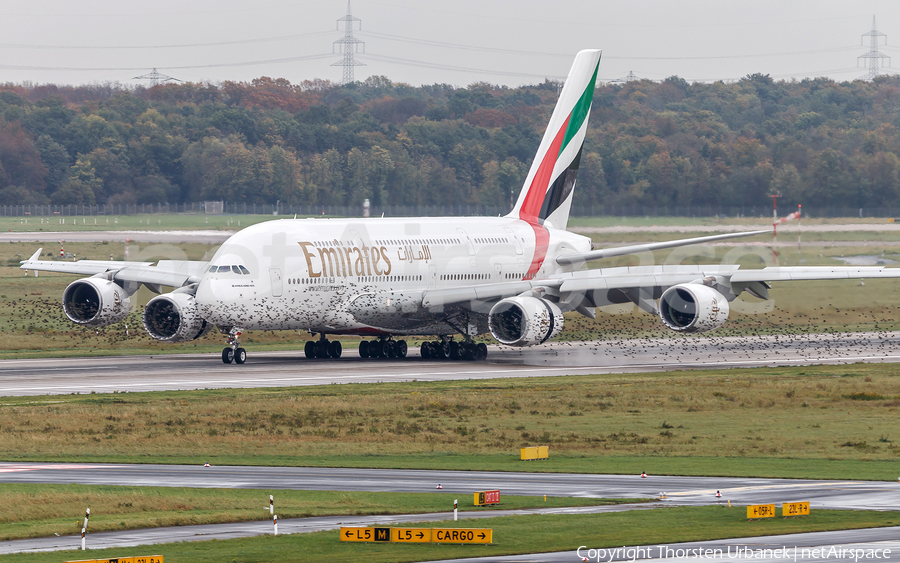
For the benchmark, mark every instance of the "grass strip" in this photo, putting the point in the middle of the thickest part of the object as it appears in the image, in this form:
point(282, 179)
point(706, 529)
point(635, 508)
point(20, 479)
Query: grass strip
point(45, 510)
point(512, 535)
point(826, 422)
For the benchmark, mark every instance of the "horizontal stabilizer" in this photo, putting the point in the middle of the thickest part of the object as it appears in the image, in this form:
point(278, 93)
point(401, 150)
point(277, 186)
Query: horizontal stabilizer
point(568, 259)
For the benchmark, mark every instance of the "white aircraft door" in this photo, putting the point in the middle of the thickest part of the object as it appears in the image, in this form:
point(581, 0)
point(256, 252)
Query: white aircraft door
point(432, 275)
point(277, 284)
point(467, 240)
point(498, 270)
point(514, 239)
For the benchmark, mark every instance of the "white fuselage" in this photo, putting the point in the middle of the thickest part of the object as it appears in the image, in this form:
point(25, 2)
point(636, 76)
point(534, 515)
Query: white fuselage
point(329, 275)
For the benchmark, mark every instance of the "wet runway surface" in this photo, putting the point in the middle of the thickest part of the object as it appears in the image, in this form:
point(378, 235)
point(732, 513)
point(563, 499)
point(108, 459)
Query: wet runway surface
point(680, 491)
point(284, 369)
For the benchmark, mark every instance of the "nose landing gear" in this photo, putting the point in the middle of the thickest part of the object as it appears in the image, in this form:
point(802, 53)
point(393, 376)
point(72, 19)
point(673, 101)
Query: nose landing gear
point(233, 352)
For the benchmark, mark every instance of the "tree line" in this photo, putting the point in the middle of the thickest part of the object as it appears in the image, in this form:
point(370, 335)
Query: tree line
point(668, 143)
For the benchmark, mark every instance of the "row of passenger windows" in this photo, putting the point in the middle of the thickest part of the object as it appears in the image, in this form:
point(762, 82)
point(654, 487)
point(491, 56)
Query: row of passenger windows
point(489, 240)
point(461, 277)
point(360, 279)
point(383, 242)
point(240, 269)
point(398, 242)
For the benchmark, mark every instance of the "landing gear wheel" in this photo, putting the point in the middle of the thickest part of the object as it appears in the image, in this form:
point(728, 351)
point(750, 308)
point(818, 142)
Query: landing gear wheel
point(480, 352)
point(400, 348)
point(310, 350)
point(425, 350)
point(322, 349)
point(455, 351)
point(240, 356)
point(227, 355)
point(438, 351)
point(364, 349)
point(334, 349)
point(376, 349)
point(468, 351)
point(391, 348)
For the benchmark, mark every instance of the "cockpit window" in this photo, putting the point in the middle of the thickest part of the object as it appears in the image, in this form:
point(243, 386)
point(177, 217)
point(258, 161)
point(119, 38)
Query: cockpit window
point(239, 269)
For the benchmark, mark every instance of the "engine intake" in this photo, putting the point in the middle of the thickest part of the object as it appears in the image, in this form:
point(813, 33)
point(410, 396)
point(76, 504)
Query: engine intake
point(173, 317)
point(95, 302)
point(691, 307)
point(524, 321)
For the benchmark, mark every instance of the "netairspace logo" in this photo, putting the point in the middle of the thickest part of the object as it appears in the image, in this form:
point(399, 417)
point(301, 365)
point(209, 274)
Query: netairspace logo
point(731, 552)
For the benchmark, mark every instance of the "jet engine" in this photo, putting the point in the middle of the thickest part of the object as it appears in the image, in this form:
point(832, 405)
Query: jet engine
point(95, 302)
point(524, 321)
point(173, 317)
point(691, 307)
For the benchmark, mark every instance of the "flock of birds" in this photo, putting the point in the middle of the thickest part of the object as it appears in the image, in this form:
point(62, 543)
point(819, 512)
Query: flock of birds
point(776, 335)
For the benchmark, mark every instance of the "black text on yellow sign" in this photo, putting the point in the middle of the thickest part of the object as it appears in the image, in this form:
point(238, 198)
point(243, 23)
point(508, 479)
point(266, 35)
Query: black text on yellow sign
point(761, 511)
point(138, 559)
point(795, 509)
point(411, 535)
point(418, 535)
point(462, 535)
point(365, 534)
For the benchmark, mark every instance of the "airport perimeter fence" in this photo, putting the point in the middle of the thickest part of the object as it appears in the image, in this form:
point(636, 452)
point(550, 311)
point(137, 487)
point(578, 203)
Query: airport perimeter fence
point(227, 208)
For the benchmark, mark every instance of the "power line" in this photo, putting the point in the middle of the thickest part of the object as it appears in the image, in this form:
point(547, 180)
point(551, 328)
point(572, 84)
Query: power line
point(412, 40)
point(426, 64)
point(175, 46)
point(177, 67)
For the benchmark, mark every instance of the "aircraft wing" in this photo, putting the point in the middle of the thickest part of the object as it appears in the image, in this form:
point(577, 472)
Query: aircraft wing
point(643, 277)
point(175, 273)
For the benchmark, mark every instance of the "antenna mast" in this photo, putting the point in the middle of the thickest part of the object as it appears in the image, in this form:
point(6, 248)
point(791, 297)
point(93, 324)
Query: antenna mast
point(873, 56)
point(348, 46)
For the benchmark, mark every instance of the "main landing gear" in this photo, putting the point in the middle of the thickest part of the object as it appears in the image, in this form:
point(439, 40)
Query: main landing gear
point(322, 349)
point(233, 352)
point(383, 348)
point(450, 349)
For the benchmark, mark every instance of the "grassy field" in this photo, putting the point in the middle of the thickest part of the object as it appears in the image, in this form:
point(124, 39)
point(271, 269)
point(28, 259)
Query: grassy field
point(512, 535)
point(814, 422)
point(45, 510)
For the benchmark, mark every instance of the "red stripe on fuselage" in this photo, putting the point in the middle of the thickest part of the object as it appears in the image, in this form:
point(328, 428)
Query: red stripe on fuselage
point(534, 199)
point(541, 243)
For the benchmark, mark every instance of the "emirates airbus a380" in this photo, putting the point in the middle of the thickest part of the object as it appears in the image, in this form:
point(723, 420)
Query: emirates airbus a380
point(448, 278)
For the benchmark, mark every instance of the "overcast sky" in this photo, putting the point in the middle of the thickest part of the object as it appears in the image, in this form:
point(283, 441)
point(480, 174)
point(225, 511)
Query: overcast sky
point(458, 42)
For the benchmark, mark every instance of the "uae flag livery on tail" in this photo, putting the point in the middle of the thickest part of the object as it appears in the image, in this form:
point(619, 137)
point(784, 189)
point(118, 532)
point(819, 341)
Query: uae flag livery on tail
point(546, 196)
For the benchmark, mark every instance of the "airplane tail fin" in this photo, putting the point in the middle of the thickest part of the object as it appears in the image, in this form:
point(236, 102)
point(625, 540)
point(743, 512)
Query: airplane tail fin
point(546, 196)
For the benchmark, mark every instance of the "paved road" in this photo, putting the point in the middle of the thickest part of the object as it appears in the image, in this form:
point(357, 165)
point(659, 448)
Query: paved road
point(684, 491)
point(687, 491)
point(173, 237)
point(132, 538)
point(282, 369)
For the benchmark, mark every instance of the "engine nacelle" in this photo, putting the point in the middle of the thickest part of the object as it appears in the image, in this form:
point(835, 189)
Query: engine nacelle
point(173, 317)
point(691, 307)
point(525, 321)
point(95, 302)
